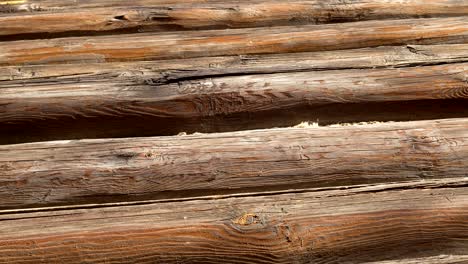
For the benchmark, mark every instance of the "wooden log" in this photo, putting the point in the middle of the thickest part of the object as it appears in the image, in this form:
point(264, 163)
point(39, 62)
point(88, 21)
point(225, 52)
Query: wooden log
point(107, 170)
point(403, 223)
point(53, 18)
point(163, 71)
point(235, 41)
point(169, 96)
point(34, 104)
point(451, 7)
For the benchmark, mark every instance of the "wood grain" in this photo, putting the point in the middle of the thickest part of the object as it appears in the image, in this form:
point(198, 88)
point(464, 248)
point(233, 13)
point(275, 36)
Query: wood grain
point(235, 41)
point(106, 170)
point(38, 101)
point(41, 19)
point(183, 69)
point(207, 96)
point(39, 6)
point(400, 222)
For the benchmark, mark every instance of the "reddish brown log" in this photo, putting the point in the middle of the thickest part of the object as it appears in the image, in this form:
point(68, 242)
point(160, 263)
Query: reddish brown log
point(41, 19)
point(425, 221)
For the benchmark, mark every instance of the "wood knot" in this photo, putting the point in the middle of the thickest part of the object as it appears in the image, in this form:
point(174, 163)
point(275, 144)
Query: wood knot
point(247, 219)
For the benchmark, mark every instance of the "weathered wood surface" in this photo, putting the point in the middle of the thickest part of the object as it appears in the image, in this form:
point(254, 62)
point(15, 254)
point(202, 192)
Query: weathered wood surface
point(107, 170)
point(163, 71)
point(375, 193)
point(419, 7)
point(41, 19)
point(423, 220)
point(227, 95)
point(193, 94)
point(230, 95)
point(235, 41)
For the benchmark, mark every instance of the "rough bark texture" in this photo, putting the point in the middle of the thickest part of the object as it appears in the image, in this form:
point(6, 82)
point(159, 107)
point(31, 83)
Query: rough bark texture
point(421, 220)
point(88, 171)
point(41, 18)
point(235, 41)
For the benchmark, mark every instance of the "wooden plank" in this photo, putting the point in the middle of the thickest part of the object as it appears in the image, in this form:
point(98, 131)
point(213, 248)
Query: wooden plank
point(235, 41)
point(400, 222)
point(57, 18)
point(106, 170)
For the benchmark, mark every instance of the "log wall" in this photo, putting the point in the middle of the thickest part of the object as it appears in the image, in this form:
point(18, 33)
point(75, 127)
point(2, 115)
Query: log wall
point(102, 103)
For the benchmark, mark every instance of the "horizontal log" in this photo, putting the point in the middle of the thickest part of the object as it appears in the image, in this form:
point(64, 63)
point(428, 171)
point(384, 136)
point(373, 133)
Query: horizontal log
point(214, 96)
point(163, 71)
point(401, 222)
point(162, 16)
point(38, 6)
point(37, 101)
point(235, 41)
point(107, 170)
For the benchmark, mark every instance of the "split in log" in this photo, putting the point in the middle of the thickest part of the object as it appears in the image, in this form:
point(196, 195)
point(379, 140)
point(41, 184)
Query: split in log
point(40, 19)
point(109, 170)
point(423, 221)
point(235, 41)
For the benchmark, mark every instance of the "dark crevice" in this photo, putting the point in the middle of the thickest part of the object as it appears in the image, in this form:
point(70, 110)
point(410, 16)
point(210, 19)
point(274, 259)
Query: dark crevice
point(121, 17)
point(145, 125)
point(178, 76)
point(412, 50)
point(47, 35)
